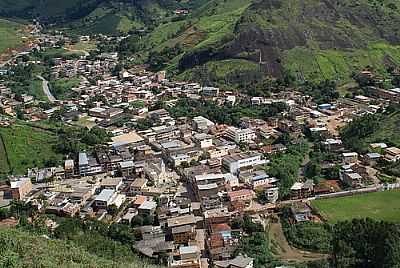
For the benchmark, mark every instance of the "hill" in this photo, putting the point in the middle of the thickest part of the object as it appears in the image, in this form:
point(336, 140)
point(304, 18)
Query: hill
point(232, 41)
point(94, 16)
point(11, 36)
point(24, 147)
point(23, 249)
point(238, 41)
point(380, 127)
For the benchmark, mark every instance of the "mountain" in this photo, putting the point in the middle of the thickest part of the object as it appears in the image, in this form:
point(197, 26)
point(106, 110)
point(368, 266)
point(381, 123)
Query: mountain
point(231, 41)
point(312, 40)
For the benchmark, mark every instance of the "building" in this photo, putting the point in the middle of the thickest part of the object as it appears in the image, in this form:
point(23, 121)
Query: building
point(108, 197)
point(88, 165)
point(302, 189)
point(210, 91)
point(203, 140)
point(350, 158)
point(147, 207)
point(392, 154)
point(111, 184)
point(20, 188)
point(238, 135)
point(202, 124)
point(243, 161)
point(241, 195)
point(301, 212)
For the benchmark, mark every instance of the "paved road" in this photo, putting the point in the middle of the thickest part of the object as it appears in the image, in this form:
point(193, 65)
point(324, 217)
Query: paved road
point(46, 90)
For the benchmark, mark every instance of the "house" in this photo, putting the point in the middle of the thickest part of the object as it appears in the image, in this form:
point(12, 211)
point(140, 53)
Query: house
point(138, 185)
point(333, 145)
point(352, 179)
point(241, 195)
point(301, 190)
point(301, 212)
point(392, 154)
point(111, 183)
point(126, 168)
point(107, 198)
point(128, 216)
point(203, 140)
point(350, 158)
point(186, 257)
point(202, 124)
point(183, 234)
point(147, 207)
point(20, 188)
point(210, 91)
point(372, 158)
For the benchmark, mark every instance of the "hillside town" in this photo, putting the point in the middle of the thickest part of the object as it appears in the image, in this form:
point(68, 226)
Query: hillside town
point(190, 185)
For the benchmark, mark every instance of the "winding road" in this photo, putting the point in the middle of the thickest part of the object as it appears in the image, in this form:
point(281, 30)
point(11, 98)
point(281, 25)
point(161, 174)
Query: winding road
point(46, 90)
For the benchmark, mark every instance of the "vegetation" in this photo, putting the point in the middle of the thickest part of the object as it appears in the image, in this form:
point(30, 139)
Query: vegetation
point(18, 247)
point(285, 167)
point(27, 147)
point(380, 127)
point(315, 237)
point(10, 35)
point(379, 206)
point(224, 114)
point(61, 88)
point(366, 244)
point(23, 80)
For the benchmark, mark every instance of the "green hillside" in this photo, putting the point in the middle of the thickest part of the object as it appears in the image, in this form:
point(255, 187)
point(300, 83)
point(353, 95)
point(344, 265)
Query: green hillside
point(312, 40)
point(26, 147)
point(380, 127)
point(308, 39)
point(10, 35)
point(22, 249)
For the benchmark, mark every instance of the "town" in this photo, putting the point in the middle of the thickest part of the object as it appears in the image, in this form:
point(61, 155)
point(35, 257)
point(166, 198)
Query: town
point(191, 168)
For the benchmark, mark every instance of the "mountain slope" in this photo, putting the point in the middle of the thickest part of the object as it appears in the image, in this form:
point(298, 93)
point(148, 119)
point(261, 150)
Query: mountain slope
point(311, 39)
point(238, 40)
point(232, 41)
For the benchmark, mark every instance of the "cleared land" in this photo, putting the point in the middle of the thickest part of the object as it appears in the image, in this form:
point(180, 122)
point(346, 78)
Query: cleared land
point(27, 147)
point(379, 206)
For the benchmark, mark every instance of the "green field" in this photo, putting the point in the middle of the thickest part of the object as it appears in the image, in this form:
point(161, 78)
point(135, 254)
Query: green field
point(61, 88)
point(379, 206)
point(4, 166)
point(26, 147)
point(9, 36)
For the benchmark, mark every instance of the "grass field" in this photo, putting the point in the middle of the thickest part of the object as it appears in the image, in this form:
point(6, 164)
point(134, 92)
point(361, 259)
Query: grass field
point(4, 167)
point(26, 147)
point(9, 36)
point(379, 206)
point(61, 88)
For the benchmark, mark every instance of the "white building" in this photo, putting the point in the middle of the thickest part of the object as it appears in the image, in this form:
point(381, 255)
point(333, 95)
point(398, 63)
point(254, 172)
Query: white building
point(238, 135)
point(235, 163)
point(203, 140)
point(107, 198)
